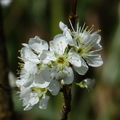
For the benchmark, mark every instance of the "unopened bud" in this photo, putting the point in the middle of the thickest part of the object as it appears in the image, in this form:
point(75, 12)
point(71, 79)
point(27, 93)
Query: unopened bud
point(87, 83)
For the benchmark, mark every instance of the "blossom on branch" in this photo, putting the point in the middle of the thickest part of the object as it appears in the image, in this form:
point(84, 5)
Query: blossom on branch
point(47, 67)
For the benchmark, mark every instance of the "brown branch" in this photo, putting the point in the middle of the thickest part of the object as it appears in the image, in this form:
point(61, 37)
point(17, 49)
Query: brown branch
point(66, 108)
point(73, 15)
point(6, 88)
point(67, 100)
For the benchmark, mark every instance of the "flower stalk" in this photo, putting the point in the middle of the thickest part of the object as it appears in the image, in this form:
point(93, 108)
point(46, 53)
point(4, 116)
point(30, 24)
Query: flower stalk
point(72, 15)
point(66, 108)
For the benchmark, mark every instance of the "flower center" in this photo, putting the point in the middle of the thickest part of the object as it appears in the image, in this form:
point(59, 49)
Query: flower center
point(81, 51)
point(61, 60)
point(40, 91)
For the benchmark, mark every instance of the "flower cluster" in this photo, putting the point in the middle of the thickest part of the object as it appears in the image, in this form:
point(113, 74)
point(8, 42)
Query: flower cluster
point(45, 68)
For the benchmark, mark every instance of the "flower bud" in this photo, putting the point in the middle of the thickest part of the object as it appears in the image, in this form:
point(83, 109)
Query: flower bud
point(87, 83)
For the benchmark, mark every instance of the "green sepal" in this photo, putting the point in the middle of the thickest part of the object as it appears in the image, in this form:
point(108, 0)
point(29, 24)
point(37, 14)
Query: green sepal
point(81, 84)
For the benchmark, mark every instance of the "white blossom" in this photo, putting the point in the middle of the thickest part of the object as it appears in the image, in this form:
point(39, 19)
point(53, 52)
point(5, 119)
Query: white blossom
point(32, 67)
point(46, 68)
point(60, 58)
point(34, 94)
point(84, 43)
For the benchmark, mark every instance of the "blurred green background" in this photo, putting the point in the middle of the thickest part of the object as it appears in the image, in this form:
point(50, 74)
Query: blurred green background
point(24, 19)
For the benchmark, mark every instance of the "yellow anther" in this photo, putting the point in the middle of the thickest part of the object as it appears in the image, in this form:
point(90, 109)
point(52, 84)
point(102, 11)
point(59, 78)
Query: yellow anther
point(98, 30)
point(19, 50)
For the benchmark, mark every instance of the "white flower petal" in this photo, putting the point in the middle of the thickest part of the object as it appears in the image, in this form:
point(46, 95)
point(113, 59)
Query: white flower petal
point(28, 81)
point(40, 82)
point(28, 107)
point(74, 59)
point(67, 33)
point(62, 26)
point(26, 45)
point(95, 41)
point(94, 60)
point(48, 74)
point(82, 69)
point(30, 67)
point(49, 56)
point(26, 99)
point(69, 75)
point(59, 75)
point(70, 40)
point(30, 101)
point(25, 79)
point(33, 98)
point(27, 54)
point(38, 44)
point(85, 37)
point(66, 75)
point(54, 87)
point(59, 44)
point(24, 92)
point(19, 83)
point(43, 102)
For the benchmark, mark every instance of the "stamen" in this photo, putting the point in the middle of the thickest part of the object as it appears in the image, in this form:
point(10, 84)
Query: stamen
point(78, 26)
point(97, 31)
point(85, 30)
point(71, 25)
point(19, 50)
point(83, 27)
point(91, 29)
